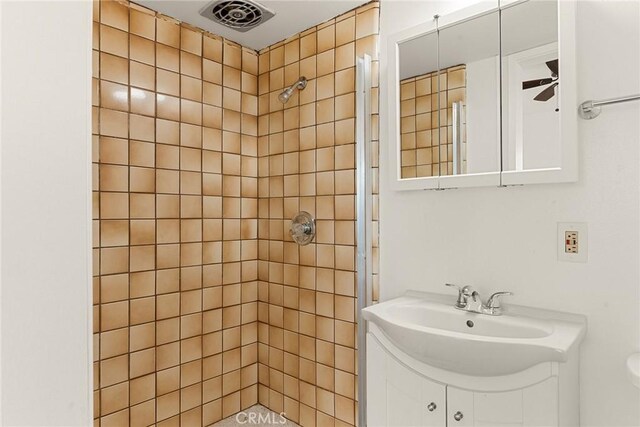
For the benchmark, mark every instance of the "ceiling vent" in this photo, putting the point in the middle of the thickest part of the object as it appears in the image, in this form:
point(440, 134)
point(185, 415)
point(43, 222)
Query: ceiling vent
point(241, 15)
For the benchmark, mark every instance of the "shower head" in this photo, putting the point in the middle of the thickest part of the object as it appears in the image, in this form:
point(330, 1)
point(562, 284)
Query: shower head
point(301, 83)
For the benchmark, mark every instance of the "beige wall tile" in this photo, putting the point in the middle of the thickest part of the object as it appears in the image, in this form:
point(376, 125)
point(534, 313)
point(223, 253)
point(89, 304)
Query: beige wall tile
point(114, 68)
point(114, 41)
point(167, 57)
point(212, 48)
point(180, 206)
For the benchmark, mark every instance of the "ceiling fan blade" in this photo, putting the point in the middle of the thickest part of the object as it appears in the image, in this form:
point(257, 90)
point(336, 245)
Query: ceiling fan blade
point(528, 84)
point(553, 66)
point(546, 94)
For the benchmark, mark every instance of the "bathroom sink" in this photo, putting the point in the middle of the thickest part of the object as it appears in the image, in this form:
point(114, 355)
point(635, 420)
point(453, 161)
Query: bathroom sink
point(428, 327)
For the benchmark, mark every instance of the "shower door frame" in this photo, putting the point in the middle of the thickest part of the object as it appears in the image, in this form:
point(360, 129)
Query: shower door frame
point(364, 204)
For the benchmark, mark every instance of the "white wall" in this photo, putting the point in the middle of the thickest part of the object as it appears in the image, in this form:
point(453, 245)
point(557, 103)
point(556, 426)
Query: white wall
point(505, 238)
point(45, 197)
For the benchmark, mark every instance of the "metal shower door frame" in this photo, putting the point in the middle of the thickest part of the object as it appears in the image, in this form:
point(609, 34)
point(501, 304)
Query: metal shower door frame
point(364, 203)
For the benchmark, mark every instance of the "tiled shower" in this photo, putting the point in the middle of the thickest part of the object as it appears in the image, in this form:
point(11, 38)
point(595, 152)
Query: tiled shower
point(203, 304)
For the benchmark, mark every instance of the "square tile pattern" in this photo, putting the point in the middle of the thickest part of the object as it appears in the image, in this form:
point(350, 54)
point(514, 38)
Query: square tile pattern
point(203, 305)
point(426, 122)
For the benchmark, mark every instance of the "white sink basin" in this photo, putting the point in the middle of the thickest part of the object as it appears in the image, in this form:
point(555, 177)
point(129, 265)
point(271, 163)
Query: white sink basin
point(427, 327)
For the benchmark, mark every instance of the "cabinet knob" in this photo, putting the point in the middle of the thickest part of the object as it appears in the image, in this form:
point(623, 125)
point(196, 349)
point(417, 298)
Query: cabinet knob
point(458, 416)
point(431, 406)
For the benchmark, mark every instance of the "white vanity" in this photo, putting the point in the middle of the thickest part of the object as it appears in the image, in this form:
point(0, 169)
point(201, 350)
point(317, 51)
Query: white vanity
point(430, 364)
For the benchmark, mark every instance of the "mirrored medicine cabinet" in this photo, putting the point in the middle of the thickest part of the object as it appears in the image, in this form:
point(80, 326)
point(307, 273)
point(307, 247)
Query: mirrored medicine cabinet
point(485, 96)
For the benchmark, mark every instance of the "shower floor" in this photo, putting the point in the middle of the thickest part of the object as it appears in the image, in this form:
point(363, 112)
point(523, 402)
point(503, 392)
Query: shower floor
point(255, 416)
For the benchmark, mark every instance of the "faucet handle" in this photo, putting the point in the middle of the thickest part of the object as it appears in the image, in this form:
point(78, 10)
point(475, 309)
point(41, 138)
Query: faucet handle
point(494, 300)
point(461, 302)
point(468, 291)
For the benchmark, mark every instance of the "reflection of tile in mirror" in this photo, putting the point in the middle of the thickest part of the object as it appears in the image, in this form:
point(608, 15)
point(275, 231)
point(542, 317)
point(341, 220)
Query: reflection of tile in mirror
point(427, 121)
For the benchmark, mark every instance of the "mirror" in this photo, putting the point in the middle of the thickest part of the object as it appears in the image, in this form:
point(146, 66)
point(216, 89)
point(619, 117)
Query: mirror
point(531, 86)
point(476, 97)
point(458, 131)
point(469, 62)
point(419, 131)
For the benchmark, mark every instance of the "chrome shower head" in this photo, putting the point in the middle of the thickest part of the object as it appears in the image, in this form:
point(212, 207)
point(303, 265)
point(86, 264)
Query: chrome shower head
point(286, 94)
point(300, 84)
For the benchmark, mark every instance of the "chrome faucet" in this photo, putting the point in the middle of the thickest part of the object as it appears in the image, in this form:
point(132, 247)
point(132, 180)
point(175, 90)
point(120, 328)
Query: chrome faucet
point(469, 300)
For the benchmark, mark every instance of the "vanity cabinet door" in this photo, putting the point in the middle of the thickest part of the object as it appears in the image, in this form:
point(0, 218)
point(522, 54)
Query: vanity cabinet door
point(401, 397)
point(468, 408)
point(534, 406)
point(413, 400)
point(398, 396)
point(459, 407)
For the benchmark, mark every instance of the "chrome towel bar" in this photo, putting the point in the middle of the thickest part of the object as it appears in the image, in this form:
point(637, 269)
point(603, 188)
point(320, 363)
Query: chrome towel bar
point(591, 109)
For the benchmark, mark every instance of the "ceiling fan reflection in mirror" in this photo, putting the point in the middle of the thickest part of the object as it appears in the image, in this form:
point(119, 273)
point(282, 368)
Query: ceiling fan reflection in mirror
point(553, 81)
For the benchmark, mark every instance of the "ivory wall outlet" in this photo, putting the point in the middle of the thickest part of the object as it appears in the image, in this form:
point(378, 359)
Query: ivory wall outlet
point(572, 241)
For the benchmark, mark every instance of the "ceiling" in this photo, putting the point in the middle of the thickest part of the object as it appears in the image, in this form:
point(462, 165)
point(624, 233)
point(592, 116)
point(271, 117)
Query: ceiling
point(291, 17)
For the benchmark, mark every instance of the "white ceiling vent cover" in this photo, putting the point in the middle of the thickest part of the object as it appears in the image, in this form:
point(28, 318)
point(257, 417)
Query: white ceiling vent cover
point(241, 15)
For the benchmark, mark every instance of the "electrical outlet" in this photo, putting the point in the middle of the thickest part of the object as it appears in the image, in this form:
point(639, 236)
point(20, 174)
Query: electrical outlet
point(572, 241)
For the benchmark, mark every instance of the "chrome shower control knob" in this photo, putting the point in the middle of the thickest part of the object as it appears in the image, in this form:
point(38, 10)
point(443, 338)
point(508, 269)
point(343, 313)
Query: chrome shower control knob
point(458, 416)
point(431, 406)
point(303, 228)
